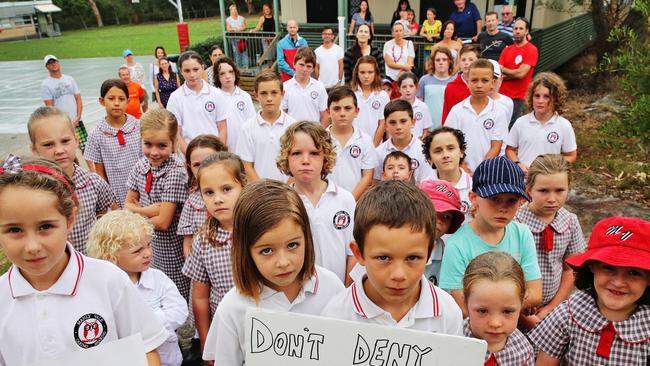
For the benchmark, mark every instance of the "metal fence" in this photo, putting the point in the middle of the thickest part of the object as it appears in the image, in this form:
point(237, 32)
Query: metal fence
point(251, 51)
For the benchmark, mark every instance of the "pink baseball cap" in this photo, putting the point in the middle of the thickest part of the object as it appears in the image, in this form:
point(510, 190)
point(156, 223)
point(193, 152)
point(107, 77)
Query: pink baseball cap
point(445, 198)
point(617, 241)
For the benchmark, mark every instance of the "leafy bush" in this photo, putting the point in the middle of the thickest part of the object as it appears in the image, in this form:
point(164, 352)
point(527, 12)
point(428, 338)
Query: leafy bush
point(203, 47)
point(631, 64)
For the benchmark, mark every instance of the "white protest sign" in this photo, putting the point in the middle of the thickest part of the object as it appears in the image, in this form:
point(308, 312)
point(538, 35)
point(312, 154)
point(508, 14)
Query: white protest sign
point(289, 339)
point(125, 351)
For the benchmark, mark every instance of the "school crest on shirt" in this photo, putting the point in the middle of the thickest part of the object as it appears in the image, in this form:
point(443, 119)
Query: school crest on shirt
point(488, 124)
point(341, 220)
point(90, 330)
point(355, 151)
point(415, 164)
point(314, 94)
point(464, 206)
point(209, 106)
point(418, 116)
point(240, 105)
point(376, 104)
point(552, 137)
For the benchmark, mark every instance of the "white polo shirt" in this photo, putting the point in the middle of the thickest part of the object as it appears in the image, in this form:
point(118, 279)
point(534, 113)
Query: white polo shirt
point(226, 337)
point(331, 221)
point(532, 138)
point(304, 104)
point(241, 110)
point(435, 311)
point(358, 154)
point(259, 143)
point(479, 129)
point(198, 113)
point(421, 168)
point(92, 303)
point(328, 64)
point(170, 308)
point(422, 117)
point(506, 103)
point(371, 111)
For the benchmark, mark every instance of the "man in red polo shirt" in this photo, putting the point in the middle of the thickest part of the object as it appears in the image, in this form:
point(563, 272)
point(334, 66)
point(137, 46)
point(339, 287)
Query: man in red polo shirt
point(517, 64)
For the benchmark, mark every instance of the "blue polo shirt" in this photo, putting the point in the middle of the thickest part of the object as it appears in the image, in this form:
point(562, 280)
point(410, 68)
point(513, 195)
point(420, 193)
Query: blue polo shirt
point(466, 20)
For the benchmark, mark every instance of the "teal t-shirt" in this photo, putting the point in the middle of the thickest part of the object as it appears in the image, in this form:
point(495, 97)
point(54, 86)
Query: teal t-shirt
point(465, 245)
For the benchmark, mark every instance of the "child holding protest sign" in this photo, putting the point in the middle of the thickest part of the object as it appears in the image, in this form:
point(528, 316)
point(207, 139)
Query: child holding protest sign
point(494, 289)
point(394, 234)
point(51, 290)
point(273, 262)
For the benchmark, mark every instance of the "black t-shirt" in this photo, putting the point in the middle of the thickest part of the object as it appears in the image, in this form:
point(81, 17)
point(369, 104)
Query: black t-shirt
point(492, 46)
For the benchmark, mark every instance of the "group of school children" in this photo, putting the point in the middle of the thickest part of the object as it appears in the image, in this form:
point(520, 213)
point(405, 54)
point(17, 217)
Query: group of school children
point(432, 230)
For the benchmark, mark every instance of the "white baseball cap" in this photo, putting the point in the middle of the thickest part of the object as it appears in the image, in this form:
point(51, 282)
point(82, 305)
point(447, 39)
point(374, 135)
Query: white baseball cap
point(47, 59)
point(497, 68)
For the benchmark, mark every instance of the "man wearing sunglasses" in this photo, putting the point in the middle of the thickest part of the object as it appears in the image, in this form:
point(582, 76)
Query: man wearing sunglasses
point(507, 20)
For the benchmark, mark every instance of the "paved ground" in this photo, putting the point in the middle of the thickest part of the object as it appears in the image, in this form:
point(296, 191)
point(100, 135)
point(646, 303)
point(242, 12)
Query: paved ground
point(20, 93)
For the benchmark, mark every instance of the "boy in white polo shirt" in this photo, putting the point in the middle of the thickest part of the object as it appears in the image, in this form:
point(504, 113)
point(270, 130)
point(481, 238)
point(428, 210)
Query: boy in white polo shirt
point(305, 98)
point(259, 140)
point(355, 152)
point(308, 156)
point(408, 87)
point(399, 125)
point(394, 235)
point(483, 122)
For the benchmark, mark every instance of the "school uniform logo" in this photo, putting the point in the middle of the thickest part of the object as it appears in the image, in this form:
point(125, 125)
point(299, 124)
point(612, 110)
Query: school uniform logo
point(341, 220)
point(518, 59)
point(418, 116)
point(488, 124)
point(240, 105)
point(552, 137)
point(314, 94)
point(617, 230)
point(464, 206)
point(415, 164)
point(376, 104)
point(355, 151)
point(90, 330)
point(209, 106)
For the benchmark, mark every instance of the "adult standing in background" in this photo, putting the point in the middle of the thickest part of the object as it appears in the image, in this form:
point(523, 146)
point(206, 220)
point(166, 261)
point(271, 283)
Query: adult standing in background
point(518, 62)
point(450, 41)
point(159, 54)
point(61, 91)
point(507, 20)
point(467, 18)
point(399, 53)
point(362, 47)
point(493, 41)
point(363, 16)
point(137, 103)
point(135, 68)
point(286, 50)
point(329, 60)
point(266, 23)
point(214, 53)
point(237, 23)
point(165, 83)
point(402, 5)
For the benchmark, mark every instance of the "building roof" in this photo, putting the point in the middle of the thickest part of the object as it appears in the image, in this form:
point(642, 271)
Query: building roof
point(20, 8)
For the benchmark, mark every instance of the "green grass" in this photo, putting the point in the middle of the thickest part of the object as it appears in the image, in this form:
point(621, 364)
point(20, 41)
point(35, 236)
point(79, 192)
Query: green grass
point(111, 40)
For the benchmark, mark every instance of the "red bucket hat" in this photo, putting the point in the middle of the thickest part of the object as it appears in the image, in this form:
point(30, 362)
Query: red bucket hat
point(617, 241)
point(445, 198)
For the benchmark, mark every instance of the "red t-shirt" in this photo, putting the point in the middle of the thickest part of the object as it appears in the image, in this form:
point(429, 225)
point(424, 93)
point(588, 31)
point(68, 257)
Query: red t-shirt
point(455, 92)
point(136, 93)
point(513, 57)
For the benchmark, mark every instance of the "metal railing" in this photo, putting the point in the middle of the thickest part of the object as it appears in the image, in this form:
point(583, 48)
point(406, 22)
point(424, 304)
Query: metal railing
point(251, 51)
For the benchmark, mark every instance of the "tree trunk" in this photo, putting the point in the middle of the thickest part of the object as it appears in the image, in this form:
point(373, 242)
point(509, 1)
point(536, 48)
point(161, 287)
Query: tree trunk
point(98, 15)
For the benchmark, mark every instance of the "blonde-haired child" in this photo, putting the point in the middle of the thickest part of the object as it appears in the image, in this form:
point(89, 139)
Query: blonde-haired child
point(273, 265)
point(606, 321)
point(51, 290)
point(556, 231)
point(157, 191)
point(124, 239)
point(308, 155)
point(220, 180)
point(52, 136)
point(494, 290)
